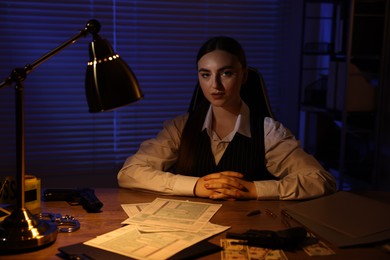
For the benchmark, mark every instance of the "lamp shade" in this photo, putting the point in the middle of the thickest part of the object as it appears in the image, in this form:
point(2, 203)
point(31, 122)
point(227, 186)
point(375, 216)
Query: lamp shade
point(109, 81)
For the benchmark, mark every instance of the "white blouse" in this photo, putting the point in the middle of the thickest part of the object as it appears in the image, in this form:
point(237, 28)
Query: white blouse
point(300, 175)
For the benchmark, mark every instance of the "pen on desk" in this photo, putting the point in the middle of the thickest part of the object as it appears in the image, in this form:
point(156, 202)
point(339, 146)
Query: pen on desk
point(269, 212)
point(254, 213)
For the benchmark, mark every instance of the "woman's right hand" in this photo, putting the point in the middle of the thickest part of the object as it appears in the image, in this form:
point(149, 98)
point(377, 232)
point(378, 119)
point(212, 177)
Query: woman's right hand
point(222, 185)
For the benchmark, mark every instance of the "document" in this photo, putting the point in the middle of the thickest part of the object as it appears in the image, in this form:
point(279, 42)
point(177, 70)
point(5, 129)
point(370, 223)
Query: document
point(160, 229)
point(344, 218)
point(176, 214)
point(128, 241)
point(132, 209)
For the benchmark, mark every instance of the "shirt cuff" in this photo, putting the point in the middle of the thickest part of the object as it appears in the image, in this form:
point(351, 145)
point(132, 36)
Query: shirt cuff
point(267, 190)
point(184, 185)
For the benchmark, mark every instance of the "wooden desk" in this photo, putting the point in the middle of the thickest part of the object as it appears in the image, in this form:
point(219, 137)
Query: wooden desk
point(232, 213)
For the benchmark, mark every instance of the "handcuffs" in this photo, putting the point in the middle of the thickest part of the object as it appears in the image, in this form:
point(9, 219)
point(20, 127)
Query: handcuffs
point(65, 224)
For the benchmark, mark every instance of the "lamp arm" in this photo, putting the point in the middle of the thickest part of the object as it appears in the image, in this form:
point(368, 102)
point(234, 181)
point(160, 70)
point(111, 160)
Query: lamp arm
point(19, 74)
point(21, 229)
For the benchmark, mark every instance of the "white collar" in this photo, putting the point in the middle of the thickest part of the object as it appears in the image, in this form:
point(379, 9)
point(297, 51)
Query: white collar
point(242, 124)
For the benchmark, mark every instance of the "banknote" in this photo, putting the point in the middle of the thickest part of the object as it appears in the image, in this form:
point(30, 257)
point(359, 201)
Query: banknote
point(233, 250)
point(318, 249)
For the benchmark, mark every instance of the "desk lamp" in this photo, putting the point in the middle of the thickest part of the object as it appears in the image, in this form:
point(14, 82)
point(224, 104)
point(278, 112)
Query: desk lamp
point(109, 84)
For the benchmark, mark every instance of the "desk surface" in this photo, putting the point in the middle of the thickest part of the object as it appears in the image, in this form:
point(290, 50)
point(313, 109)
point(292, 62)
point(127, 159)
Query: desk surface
point(232, 213)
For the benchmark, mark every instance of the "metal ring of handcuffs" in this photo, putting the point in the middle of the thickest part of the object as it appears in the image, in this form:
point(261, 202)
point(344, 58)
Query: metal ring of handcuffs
point(65, 224)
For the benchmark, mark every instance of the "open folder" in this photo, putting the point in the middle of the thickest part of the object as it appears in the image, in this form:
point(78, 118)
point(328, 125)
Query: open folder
point(344, 219)
point(81, 251)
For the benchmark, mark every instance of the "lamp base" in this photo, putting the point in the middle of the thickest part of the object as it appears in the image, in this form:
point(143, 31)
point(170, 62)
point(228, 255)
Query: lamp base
point(22, 231)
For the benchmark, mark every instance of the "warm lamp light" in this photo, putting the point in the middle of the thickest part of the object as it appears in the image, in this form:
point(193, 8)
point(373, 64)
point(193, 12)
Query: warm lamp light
point(109, 84)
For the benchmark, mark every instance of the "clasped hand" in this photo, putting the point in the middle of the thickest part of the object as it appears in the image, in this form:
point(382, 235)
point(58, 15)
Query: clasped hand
point(225, 185)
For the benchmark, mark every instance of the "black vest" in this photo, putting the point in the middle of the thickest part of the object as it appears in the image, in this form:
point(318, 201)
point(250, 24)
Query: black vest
point(243, 154)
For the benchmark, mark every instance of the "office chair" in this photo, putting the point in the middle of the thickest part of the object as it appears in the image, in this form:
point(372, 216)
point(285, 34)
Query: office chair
point(253, 92)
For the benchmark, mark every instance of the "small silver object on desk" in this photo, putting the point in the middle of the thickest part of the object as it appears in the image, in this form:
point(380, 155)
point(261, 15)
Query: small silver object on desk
point(65, 224)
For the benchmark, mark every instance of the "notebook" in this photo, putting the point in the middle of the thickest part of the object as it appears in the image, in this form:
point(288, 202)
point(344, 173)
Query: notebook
point(344, 218)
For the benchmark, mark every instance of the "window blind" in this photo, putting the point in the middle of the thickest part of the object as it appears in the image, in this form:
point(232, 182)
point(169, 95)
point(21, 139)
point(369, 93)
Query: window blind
point(158, 39)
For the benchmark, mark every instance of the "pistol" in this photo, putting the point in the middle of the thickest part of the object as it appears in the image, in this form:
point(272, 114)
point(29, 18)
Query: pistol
point(85, 197)
point(283, 239)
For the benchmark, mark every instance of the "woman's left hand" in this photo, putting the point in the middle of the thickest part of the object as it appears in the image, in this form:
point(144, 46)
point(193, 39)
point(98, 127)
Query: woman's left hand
point(229, 185)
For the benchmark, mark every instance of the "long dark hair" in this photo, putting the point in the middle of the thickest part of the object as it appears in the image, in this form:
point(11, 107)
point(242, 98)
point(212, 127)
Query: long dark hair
point(193, 127)
point(223, 43)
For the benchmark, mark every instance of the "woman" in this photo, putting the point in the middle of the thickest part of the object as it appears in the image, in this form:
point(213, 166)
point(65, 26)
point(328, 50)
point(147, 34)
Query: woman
point(225, 149)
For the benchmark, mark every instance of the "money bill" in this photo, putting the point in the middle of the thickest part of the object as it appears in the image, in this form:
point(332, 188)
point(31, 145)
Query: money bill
point(318, 249)
point(235, 251)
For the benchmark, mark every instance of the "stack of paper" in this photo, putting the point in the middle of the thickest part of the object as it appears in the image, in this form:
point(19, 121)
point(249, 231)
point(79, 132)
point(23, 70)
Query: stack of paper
point(160, 229)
